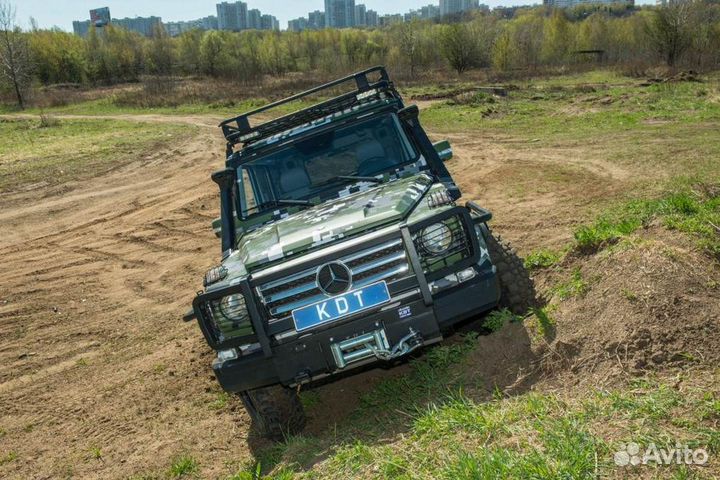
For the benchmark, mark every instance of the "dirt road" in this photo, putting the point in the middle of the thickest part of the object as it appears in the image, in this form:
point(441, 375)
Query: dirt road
point(99, 377)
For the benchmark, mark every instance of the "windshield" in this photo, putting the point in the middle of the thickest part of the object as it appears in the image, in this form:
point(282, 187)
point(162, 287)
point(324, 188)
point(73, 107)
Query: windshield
point(316, 168)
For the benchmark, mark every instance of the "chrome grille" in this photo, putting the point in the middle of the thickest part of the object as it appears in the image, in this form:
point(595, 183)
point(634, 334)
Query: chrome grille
point(386, 261)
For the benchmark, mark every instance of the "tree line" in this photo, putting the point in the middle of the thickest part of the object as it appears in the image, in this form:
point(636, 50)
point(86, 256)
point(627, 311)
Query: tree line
point(682, 34)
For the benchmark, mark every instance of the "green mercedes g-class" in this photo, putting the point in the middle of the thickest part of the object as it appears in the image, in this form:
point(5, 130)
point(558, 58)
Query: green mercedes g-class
point(342, 245)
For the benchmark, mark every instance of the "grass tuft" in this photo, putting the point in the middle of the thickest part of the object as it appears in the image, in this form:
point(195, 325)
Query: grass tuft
point(221, 401)
point(684, 209)
point(545, 323)
point(8, 457)
point(575, 286)
point(96, 453)
point(183, 466)
point(541, 259)
point(497, 319)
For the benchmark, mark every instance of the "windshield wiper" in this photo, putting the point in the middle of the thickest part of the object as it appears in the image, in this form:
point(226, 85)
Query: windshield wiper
point(300, 203)
point(355, 178)
point(277, 203)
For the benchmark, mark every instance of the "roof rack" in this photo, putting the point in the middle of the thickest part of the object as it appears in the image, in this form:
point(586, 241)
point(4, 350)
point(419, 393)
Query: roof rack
point(238, 129)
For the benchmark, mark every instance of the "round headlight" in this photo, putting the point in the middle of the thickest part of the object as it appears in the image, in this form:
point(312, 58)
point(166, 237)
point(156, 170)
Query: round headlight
point(233, 308)
point(436, 239)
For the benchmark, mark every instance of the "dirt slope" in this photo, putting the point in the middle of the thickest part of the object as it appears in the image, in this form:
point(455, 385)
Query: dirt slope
point(94, 357)
point(651, 305)
point(94, 354)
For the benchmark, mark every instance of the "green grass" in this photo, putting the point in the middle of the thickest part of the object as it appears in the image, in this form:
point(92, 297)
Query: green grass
point(691, 208)
point(96, 453)
point(220, 401)
point(575, 286)
point(34, 157)
point(533, 435)
point(543, 258)
point(547, 111)
point(111, 105)
point(183, 467)
point(545, 322)
point(7, 458)
point(497, 319)
point(430, 373)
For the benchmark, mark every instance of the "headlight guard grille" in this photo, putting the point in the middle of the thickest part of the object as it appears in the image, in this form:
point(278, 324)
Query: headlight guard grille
point(224, 317)
point(462, 249)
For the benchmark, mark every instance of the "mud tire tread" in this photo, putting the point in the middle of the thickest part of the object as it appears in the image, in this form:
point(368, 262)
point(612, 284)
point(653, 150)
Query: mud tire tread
point(276, 411)
point(517, 289)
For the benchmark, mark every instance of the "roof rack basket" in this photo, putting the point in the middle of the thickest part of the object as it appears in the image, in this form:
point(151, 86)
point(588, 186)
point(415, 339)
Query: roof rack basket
point(238, 129)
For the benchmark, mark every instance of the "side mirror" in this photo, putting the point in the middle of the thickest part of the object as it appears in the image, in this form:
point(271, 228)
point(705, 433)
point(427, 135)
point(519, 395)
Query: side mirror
point(224, 178)
point(409, 114)
point(444, 150)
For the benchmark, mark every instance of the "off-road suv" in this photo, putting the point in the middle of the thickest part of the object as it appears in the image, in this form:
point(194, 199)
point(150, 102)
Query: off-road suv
point(342, 245)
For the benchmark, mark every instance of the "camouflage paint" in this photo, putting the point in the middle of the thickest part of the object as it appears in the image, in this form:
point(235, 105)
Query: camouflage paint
point(333, 220)
point(312, 228)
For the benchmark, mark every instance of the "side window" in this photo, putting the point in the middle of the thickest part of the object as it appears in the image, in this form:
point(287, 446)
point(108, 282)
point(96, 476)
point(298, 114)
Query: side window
point(247, 193)
point(404, 139)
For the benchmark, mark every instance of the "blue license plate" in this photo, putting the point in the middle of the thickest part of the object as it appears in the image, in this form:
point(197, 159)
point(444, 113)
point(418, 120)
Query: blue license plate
point(340, 306)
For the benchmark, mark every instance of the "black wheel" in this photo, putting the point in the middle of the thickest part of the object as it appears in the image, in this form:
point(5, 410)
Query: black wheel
point(517, 290)
point(276, 411)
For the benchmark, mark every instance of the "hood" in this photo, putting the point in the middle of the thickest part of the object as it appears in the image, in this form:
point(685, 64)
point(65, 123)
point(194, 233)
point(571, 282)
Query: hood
point(331, 221)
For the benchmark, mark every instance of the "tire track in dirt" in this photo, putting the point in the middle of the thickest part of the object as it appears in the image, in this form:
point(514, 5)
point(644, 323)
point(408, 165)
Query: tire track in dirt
point(117, 260)
point(537, 194)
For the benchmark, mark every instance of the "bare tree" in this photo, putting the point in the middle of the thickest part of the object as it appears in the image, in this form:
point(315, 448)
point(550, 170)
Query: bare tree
point(410, 44)
point(15, 60)
point(670, 30)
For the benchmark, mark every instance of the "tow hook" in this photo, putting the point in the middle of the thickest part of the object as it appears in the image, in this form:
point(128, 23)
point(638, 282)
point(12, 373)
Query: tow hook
point(407, 344)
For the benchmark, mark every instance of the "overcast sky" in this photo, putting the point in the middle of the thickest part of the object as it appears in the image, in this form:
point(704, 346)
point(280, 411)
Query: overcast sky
point(61, 13)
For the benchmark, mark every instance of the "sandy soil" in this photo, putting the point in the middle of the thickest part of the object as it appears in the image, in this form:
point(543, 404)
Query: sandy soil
point(99, 376)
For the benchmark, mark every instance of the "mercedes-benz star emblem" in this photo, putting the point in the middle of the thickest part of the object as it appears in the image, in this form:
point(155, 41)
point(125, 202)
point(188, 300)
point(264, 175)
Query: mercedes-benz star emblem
point(334, 278)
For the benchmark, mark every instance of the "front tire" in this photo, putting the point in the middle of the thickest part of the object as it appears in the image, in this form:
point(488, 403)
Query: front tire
point(517, 290)
point(276, 411)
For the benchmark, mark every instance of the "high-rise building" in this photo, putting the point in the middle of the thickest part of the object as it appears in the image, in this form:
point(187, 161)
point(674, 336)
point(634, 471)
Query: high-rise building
point(316, 20)
point(372, 19)
point(450, 7)
point(360, 15)
point(177, 28)
point(254, 19)
point(232, 16)
point(298, 24)
point(340, 13)
point(209, 23)
point(81, 27)
point(269, 22)
point(390, 19)
point(427, 12)
point(430, 11)
point(143, 25)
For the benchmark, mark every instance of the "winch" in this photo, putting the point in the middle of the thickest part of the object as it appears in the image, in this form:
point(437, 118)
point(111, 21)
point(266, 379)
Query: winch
point(374, 344)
